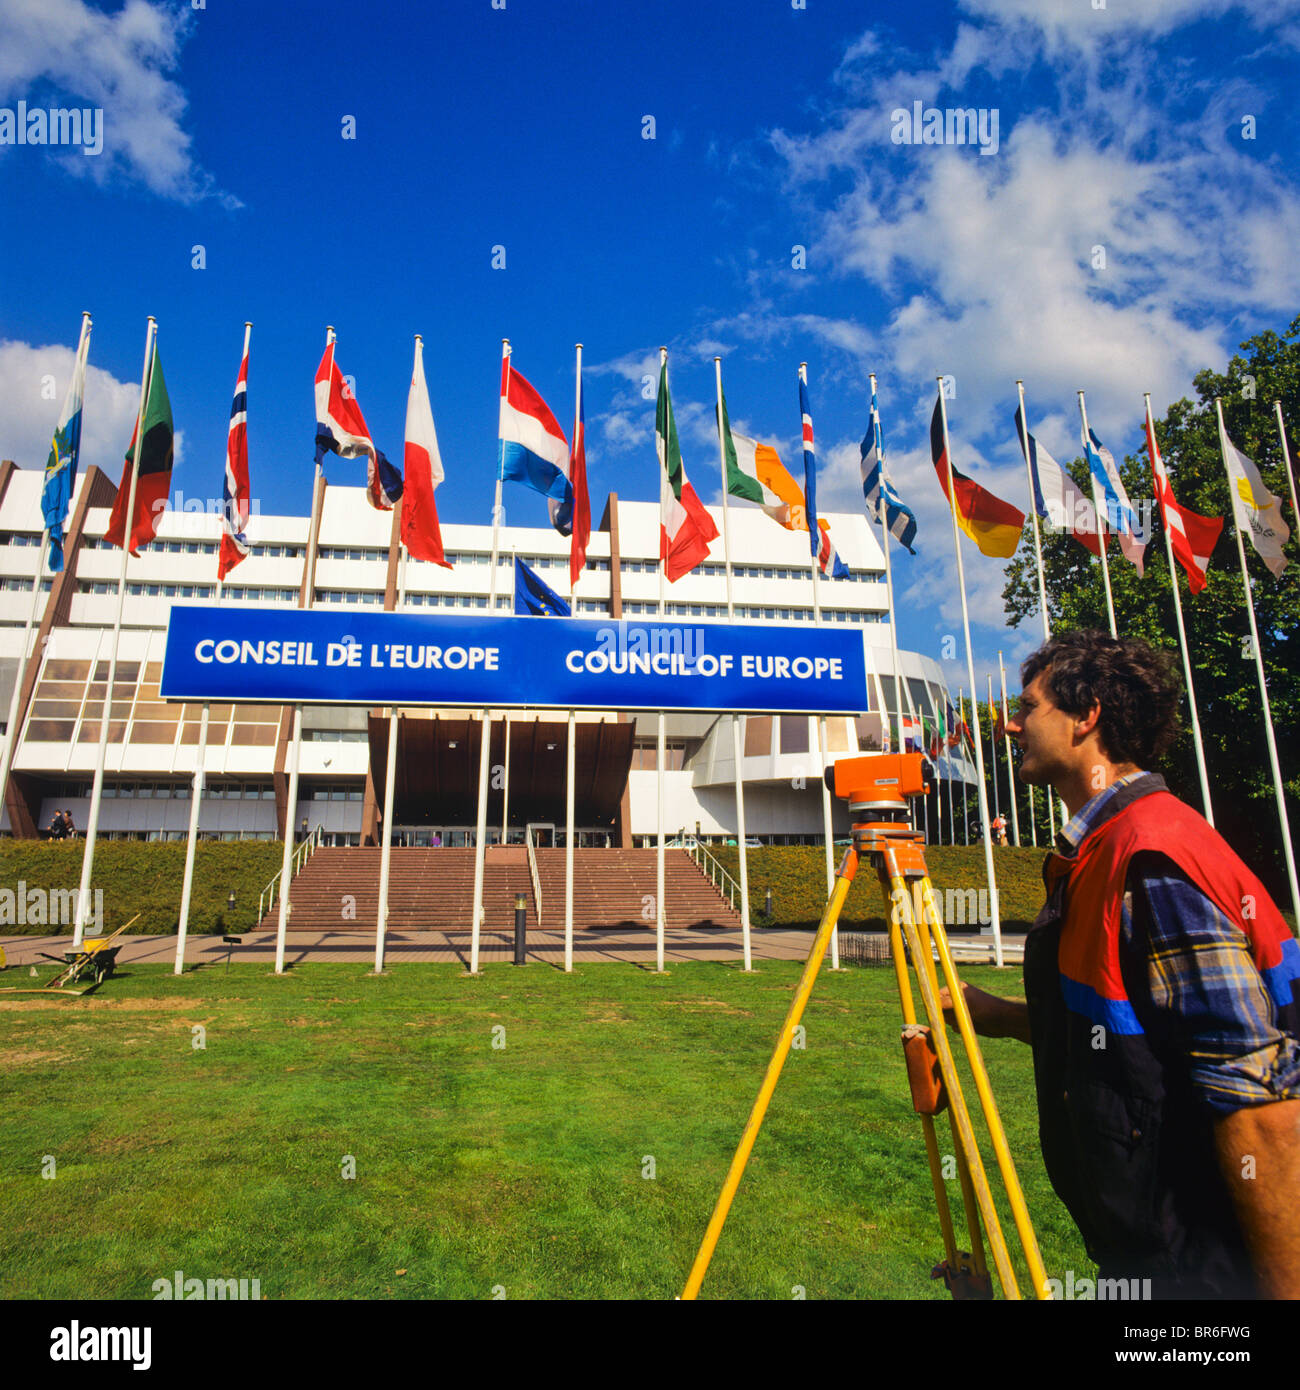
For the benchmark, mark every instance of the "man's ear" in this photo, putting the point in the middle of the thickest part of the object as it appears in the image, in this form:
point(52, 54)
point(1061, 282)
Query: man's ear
point(1087, 723)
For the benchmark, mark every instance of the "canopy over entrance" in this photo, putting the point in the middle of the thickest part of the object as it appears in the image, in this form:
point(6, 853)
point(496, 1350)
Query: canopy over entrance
point(438, 763)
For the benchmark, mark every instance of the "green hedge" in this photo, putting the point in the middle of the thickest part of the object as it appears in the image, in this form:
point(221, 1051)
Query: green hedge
point(137, 876)
point(796, 874)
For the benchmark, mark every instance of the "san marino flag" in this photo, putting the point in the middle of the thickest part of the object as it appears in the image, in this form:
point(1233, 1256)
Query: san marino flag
point(61, 466)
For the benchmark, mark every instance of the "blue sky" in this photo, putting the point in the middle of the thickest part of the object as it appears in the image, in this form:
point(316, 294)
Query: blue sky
point(1120, 127)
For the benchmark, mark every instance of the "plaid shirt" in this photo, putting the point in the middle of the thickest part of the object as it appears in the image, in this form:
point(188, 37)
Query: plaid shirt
point(1202, 996)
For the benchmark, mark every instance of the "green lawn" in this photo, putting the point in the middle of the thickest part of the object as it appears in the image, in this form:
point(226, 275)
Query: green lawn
point(476, 1167)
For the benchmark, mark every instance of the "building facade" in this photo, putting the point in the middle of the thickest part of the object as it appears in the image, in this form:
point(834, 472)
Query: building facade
point(153, 744)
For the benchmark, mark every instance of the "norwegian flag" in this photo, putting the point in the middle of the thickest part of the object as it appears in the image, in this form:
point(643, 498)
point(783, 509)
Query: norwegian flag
point(341, 429)
point(581, 518)
point(1192, 536)
point(235, 493)
point(809, 470)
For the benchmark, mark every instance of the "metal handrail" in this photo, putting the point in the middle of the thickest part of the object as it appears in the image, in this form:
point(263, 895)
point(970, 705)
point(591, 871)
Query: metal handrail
point(707, 863)
point(300, 857)
point(532, 868)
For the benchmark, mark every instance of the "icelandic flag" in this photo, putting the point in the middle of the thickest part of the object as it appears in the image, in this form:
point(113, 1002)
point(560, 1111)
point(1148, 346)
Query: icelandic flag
point(341, 429)
point(575, 510)
point(1119, 511)
point(810, 475)
point(876, 481)
point(1057, 498)
point(534, 597)
point(236, 495)
point(531, 447)
point(422, 464)
point(61, 466)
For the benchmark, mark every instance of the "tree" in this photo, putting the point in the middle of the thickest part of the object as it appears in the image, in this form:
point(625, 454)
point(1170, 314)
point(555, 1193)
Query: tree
point(1223, 666)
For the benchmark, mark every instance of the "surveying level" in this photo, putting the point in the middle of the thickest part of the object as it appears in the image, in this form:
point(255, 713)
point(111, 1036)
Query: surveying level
point(880, 786)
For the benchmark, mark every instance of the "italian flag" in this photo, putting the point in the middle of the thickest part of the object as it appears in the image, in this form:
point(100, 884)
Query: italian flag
point(685, 528)
point(756, 473)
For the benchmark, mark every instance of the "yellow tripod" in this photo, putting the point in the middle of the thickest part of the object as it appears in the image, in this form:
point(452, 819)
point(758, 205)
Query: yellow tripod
point(880, 786)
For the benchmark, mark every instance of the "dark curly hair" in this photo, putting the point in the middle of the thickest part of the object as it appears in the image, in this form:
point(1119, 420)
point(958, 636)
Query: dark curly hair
point(1135, 684)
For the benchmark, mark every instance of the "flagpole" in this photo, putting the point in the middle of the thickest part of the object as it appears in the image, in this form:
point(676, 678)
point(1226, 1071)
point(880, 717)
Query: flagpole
point(1263, 685)
point(975, 714)
point(11, 725)
point(993, 753)
point(1042, 592)
point(1011, 771)
point(661, 740)
point(570, 770)
point(1286, 456)
point(295, 749)
point(390, 770)
point(947, 753)
point(496, 505)
point(1182, 633)
point(961, 737)
point(882, 515)
point(735, 718)
point(823, 750)
point(106, 713)
point(1103, 534)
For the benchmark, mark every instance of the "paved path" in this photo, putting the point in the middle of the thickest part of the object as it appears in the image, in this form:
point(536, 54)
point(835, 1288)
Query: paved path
point(590, 947)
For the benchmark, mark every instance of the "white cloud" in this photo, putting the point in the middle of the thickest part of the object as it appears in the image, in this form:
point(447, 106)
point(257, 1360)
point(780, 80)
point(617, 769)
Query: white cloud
point(36, 381)
point(63, 52)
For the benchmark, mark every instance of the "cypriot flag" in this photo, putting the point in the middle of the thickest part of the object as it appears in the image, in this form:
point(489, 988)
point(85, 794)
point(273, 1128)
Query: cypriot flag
point(1256, 510)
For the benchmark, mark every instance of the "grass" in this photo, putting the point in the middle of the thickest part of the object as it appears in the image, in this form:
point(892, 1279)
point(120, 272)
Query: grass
point(520, 1166)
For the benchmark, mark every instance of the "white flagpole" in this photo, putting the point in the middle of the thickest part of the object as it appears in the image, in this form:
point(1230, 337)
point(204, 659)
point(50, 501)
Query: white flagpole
point(291, 804)
point(570, 771)
point(1011, 767)
point(505, 781)
point(1182, 639)
point(961, 743)
point(1042, 596)
point(106, 713)
point(496, 504)
point(975, 714)
point(1263, 684)
point(735, 718)
point(1286, 457)
point(480, 838)
point(11, 725)
point(993, 753)
point(1103, 516)
point(823, 750)
point(200, 776)
point(660, 918)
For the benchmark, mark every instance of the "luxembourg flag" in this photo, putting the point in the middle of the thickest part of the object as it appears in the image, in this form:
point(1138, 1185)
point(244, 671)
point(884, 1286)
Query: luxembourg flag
point(531, 446)
point(422, 465)
point(341, 429)
point(236, 493)
point(828, 558)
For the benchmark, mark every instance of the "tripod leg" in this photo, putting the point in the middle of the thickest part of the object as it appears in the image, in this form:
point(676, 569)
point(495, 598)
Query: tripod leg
point(1015, 1195)
point(843, 882)
point(901, 898)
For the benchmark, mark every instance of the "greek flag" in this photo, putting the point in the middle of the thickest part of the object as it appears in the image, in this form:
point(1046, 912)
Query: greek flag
point(875, 482)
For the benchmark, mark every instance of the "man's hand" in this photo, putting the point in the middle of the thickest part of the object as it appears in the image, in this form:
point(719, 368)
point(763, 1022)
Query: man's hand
point(990, 1015)
point(1259, 1156)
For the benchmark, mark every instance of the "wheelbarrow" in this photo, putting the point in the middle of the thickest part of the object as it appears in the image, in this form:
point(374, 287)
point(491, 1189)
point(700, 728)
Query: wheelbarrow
point(94, 962)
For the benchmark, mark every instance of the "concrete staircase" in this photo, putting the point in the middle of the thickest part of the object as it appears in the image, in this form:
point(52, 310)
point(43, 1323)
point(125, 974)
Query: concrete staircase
point(433, 890)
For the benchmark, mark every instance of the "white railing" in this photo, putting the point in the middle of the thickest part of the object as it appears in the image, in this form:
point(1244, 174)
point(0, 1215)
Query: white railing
point(532, 869)
point(300, 856)
point(718, 876)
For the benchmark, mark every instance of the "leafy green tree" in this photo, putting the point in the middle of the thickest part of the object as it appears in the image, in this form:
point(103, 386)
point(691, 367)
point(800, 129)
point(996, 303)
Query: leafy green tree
point(1223, 667)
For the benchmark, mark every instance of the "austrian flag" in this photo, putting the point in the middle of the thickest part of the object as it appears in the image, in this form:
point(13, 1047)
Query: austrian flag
point(1191, 536)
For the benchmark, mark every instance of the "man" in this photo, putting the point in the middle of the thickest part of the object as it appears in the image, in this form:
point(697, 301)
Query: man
point(1162, 998)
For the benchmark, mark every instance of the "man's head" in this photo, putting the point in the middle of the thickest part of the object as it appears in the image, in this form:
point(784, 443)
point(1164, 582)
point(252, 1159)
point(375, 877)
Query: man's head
point(1089, 700)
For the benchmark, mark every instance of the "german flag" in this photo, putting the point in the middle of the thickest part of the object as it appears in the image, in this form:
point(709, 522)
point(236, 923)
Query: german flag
point(155, 479)
point(994, 525)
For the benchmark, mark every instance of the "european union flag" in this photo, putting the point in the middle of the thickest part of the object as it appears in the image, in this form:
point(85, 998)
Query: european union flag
point(533, 597)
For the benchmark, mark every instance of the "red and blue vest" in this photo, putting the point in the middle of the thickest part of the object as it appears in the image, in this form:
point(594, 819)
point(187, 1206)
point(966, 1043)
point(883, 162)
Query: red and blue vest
point(1128, 1145)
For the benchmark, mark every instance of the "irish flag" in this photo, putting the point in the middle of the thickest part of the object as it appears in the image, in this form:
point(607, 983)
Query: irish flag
point(685, 528)
point(756, 473)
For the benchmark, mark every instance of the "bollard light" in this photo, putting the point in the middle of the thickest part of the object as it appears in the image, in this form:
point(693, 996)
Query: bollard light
point(521, 928)
point(230, 901)
point(767, 907)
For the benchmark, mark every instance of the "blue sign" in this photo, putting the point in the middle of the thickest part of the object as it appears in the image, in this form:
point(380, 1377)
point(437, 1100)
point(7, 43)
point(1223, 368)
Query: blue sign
point(292, 655)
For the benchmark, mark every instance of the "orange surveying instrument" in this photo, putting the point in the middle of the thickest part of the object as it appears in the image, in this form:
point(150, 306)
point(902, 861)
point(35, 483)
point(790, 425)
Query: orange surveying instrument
point(877, 789)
